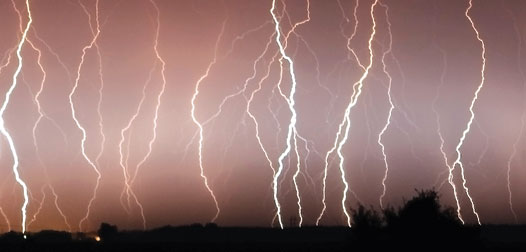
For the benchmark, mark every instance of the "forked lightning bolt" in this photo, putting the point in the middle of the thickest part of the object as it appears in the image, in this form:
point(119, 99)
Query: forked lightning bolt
point(470, 122)
point(4, 130)
point(292, 131)
point(346, 122)
point(74, 113)
point(157, 105)
point(200, 126)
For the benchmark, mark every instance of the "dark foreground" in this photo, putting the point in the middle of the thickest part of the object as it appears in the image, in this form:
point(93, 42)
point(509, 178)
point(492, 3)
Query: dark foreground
point(198, 238)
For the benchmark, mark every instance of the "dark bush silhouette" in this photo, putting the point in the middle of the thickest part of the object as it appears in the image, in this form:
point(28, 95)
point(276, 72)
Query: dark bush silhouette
point(420, 220)
point(107, 232)
point(366, 220)
point(422, 212)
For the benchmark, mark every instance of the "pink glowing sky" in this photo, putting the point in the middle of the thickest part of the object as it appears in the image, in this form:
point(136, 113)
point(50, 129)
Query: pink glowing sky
point(430, 39)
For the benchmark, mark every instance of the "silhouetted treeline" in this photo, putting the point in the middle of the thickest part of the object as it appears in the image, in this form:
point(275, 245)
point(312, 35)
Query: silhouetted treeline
point(420, 223)
point(421, 220)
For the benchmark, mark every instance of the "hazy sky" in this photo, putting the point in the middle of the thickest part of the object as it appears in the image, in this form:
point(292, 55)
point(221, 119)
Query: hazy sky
point(435, 64)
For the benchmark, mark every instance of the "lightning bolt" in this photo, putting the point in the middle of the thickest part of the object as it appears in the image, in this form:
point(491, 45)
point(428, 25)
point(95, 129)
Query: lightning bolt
point(439, 128)
point(128, 179)
point(391, 104)
point(292, 131)
point(41, 116)
point(200, 126)
point(434, 108)
point(157, 105)
point(350, 50)
point(74, 113)
point(242, 90)
point(4, 130)
point(101, 86)
point(472, 117)
point(346, 122)
point(124, 165)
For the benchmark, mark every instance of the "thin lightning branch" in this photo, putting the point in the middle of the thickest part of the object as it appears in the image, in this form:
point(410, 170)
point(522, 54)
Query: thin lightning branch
point(101, 87)
point(472, 117)
point(5, 219)
point(124, 165)
point(200, 126)
point(439, 130)
point(158, 104)
point(43, 115)
point(338, 145)
point(523, 119)
point(3, 129)
point(74, 113)
point(240, 91)
point(391, 104)
point(351, 51)
point(100, 90)
point(41, 204)
point(40, 117)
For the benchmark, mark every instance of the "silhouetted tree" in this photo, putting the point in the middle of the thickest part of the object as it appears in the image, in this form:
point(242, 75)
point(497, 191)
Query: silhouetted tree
point(366, 220)
point(366, 225)
point(422, 212)
point(423, 220)
point(420, 220)
point(107, 232)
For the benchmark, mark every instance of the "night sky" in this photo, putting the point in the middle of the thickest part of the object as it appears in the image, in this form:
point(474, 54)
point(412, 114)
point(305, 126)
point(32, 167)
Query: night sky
point(167, 83)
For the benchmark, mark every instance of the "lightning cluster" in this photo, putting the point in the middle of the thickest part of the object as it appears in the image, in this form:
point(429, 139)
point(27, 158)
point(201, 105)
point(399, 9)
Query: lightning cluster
point(263, 102)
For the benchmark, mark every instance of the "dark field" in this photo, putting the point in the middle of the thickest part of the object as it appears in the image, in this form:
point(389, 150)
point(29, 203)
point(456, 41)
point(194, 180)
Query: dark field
point(212, 238)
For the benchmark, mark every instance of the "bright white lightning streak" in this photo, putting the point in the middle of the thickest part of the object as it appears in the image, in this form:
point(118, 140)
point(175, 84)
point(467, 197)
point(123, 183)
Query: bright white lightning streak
point(350, 50)
point(39, 108)
point(295, 180)
point(391, 104)
point(100, 90)
point(200, 126)
point(256, 124)
point(292, 131)
point(439, 130)
point(337, 146)
point(3, 129)
point(74, 116)
point(472, 117)
point(41, 116)
point(37, 102)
